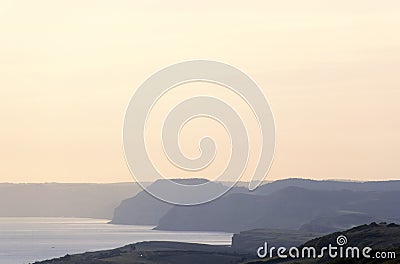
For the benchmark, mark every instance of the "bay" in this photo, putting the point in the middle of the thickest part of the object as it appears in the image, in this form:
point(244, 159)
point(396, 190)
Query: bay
point(28, 239)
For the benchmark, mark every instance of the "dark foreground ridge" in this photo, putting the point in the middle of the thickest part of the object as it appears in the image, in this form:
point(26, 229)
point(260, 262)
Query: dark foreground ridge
point(378, 236)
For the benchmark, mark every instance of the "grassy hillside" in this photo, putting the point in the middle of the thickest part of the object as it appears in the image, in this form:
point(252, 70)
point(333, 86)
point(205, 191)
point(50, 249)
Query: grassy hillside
point(380, 237)
point(156, 252)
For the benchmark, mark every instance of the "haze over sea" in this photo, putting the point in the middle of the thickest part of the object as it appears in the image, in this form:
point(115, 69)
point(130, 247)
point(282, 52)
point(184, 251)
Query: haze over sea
point(28, 239)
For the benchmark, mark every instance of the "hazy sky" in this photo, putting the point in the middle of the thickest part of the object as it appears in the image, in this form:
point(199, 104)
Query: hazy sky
point(68, 68)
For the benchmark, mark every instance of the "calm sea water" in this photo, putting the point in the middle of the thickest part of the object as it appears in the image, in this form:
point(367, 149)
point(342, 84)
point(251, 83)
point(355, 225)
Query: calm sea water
point(26, 239)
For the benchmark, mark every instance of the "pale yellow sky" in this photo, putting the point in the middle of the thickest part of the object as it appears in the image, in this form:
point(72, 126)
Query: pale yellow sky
point(68, 68)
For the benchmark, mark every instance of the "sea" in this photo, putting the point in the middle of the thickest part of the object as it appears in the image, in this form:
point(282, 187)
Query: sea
point(29, 239)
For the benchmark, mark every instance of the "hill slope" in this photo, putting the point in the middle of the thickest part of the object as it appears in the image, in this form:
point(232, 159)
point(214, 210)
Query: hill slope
point(289, 208)
point(380, 237)
point(144, 209)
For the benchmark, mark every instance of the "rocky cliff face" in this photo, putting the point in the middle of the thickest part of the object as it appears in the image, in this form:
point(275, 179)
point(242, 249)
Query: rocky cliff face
point(144, 209)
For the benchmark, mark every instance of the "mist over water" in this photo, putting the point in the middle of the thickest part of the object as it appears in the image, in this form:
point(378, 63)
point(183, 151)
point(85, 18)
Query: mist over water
point(28, 239)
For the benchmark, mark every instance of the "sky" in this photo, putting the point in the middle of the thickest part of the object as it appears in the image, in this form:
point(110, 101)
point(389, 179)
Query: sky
point(330, 70)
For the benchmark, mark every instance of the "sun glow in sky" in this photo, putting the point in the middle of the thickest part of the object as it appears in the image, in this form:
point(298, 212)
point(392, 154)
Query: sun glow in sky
point(330, 70)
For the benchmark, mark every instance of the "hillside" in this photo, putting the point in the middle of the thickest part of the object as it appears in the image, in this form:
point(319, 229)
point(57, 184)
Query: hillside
point(155, 253)
point(248, 241)
point(144, 209)
point(290, 208)
point(380, 237)
point(328, 185)
point(306, 205)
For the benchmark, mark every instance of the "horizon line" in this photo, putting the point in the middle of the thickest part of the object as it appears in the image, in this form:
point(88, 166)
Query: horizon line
point(149, 182)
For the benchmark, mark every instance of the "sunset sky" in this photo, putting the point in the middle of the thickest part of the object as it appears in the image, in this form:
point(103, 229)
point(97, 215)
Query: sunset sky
point(330, 70)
